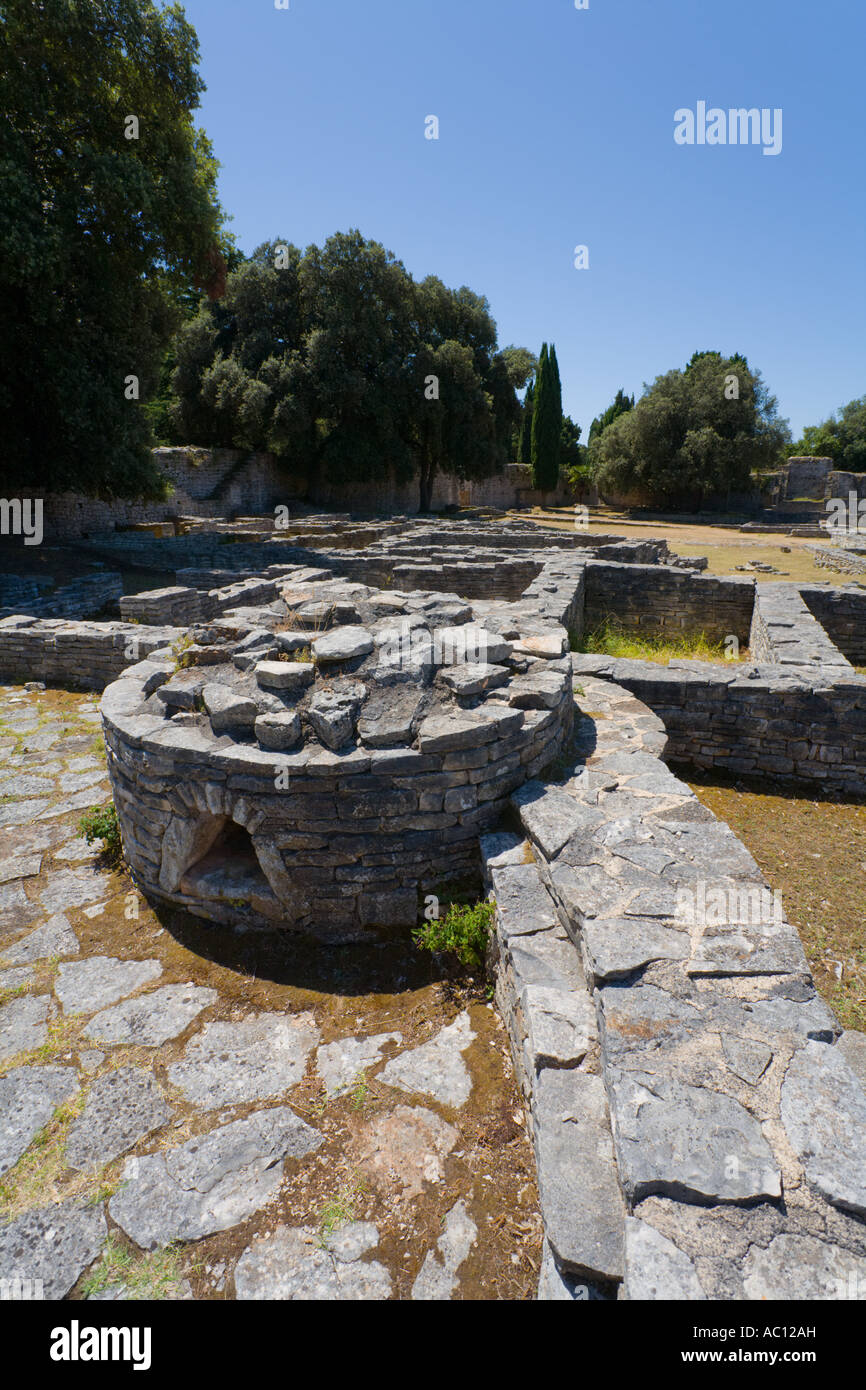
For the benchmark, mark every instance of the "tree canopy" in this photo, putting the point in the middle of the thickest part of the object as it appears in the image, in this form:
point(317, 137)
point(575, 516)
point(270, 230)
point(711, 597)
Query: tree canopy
point(842, 438)
point(108, 216)
point(694, 433)
point(337, 360)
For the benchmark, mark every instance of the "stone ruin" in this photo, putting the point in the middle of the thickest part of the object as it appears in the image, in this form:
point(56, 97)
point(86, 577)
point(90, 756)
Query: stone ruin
point(322, 770)
point(331, 739)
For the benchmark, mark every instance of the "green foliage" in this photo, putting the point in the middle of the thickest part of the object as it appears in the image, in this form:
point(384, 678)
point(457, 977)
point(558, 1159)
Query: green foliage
point(546, 422)
point(337, 357)
point(612, 639)
point(688, 438)
point(101, 823)
point(841, 438)
point(463, 932)
point(620, 404)
point(572, 457)
point(101, 236)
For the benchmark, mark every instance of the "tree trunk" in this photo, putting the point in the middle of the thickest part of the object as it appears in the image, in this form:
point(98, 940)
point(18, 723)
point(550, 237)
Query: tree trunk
point(427, 474)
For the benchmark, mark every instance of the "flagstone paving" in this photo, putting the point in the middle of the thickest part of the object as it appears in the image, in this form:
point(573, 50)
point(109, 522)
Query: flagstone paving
point(304, 1123)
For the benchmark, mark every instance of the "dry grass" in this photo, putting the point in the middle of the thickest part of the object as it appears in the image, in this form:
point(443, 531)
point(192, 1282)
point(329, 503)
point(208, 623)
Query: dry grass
point(814, 852)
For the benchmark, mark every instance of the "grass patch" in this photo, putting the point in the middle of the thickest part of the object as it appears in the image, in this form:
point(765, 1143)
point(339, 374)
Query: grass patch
point(612, 639)
point(35, 1179)
point(156, 1275)
point(341, 1209)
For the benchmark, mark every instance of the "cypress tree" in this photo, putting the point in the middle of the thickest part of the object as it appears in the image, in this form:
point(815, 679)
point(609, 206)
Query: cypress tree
point(546, 425)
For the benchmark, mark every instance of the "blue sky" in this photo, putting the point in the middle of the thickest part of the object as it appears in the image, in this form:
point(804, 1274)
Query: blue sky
point(556, 129)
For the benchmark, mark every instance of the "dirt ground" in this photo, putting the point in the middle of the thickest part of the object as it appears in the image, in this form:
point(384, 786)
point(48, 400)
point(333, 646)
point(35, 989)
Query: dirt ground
point(367, 1169)
point(724, 546)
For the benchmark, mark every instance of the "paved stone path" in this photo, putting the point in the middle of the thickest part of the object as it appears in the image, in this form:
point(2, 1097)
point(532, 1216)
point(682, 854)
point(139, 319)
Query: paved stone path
point(300, 1136)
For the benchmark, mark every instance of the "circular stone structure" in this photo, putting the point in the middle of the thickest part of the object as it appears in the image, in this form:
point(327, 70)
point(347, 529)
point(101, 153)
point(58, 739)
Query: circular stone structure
point(326, 770)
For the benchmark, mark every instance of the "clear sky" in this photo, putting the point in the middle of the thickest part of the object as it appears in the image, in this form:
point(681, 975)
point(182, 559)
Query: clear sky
point(557, 130)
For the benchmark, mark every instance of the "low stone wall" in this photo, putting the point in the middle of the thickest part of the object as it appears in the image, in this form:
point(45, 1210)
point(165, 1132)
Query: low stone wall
point(787, 723)
point(184, 605)
point(838, 559)
point(661, 600)
point(785, 632)
point(87, 655)
point(842, 613)
point(78, 599)
point(698, 1135)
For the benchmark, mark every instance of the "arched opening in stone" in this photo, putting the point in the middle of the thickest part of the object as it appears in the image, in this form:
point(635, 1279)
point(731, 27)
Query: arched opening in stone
point(228, 870)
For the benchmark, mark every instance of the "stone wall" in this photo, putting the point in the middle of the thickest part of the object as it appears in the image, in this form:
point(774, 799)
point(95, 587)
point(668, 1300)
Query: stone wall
point(698, 1134)
point(807, 477)
point(790, 723)
point(839, 559)
point(842, 613)
point(785, 632)
point(663, 600)
point(86, 655)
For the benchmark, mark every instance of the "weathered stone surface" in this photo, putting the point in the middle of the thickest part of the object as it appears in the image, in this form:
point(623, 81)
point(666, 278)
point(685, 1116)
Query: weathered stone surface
point(16, 977)
point(437, 1280)
point(474, 678)
point(20, 866)
point(389, 720)
point(802, 1268)
point(228, 1063)
point(28, 1098)
point(746, 1057)
point(436, 1068)
point(278, 731)
point(23, 1024)
point(153, 1018)
point(655, 1268)
point(53, 1244)
point(765, 948)
point(213, 1181)
point(523, 904)
point(824, 1114)
point(580, 1197)
point(332, 715)
point(343, 644)
point(616, 946)
point(66, 888)
point(555, 1286)
point(341, 1063)
point(551, 817)
point(291, 675)
point(561, 1026)
point(84, 986)
point(122, 1107)
point(290, 1265)
point(227, 709)
point(278, 675)
point(852, 1046)
point(688, 1142)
